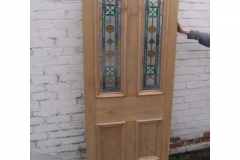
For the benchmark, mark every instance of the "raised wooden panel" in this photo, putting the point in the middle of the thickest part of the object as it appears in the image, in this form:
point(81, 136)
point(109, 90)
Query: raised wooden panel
point(149, 158)
point(111, 141)
point(148, 139)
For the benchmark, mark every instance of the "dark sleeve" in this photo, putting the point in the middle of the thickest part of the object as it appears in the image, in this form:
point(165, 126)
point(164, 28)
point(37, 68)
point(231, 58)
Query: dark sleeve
point(203, 38)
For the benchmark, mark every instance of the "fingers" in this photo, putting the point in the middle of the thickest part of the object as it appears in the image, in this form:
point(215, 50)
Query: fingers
point(179, 27)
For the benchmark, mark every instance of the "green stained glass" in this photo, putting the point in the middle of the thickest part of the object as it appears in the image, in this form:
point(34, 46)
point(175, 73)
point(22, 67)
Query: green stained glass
point(152, 41)
point(150, 70)
point(152, 12)
point(110, 39)
point(110, 10)
point(109, 71)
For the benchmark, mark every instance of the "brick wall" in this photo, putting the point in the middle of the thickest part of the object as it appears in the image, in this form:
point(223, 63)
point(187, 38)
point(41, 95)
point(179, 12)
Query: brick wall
point(57, 105)
point(57, 128)
point(191, 100)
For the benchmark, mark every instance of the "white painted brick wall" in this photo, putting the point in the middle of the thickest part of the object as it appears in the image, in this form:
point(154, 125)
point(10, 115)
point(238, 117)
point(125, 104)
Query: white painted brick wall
point(57, 128)
point(191, 105)
point(57, 109)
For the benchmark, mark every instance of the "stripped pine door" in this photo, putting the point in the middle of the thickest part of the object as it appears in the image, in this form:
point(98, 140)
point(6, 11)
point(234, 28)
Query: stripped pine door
point(129, 58)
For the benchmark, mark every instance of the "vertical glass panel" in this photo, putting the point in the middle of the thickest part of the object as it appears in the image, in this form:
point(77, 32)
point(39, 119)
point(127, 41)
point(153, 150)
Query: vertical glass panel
point(110, 44)
point(151, 43)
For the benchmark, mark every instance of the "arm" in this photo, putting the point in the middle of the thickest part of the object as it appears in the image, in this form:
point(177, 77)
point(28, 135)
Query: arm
point(203, 38)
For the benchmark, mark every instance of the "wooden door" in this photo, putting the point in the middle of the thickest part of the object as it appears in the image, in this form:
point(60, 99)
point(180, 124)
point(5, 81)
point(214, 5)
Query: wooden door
point(129, 56)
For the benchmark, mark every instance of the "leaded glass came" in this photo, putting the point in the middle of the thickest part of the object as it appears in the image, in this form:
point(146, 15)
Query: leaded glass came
point(109, 39)
point(151, 43)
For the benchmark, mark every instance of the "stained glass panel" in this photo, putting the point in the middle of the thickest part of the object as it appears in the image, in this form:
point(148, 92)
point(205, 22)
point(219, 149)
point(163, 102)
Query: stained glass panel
point(151, 43)
point(109, 39)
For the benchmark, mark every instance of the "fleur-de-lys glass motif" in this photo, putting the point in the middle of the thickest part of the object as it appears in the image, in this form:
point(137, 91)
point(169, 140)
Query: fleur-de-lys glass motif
point(151, 43)
point(109, 39)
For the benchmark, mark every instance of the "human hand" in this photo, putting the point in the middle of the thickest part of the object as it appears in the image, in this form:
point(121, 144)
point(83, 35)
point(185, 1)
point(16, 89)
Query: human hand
point(180, 29)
